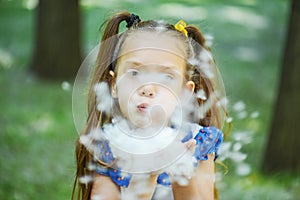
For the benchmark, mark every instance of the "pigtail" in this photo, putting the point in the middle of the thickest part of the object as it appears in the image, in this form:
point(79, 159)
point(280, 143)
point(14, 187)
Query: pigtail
point(196, 34)
point(97, 118)
point(202, 81)
point(105, 56)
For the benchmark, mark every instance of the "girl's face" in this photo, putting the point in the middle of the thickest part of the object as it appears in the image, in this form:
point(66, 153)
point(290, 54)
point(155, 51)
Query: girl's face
point(150, 78)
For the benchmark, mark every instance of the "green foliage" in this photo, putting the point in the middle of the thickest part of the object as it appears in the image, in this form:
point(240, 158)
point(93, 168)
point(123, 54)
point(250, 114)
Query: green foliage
point(37, 134)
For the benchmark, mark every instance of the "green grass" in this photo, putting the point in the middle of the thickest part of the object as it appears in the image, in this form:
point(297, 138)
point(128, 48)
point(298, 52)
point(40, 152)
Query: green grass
point(37, 134)
point(37, 139)
point(258, 186)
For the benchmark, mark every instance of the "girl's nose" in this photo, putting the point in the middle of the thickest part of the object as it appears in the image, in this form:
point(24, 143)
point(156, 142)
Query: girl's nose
point(147, 90)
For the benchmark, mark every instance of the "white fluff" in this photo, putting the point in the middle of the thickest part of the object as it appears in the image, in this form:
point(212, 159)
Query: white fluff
point(244, 137)
point(193, 61)
point(65, 85)
point(232, 151)
point(224, 151)
point(205, 56)
point(206, 68)
point(140, 141)
point(239, 106)
point(91, 166)
point(242, 115)
point(140, 187)
point(237, 146)
point(243, 169)
point(209, 40)
point(96, 134)
point(104, 98)
point(163, 192)
point(237, 156)
point(183, 169)
point(160, 28)
point(86, 179)
point(129, 146)
point(187, 105)
point(85, 140)
point(229, 119)
point(201, 94)
point(222, 102)
point(254, 114)
point(100, 196)
point(207, 105)
point(90, 141)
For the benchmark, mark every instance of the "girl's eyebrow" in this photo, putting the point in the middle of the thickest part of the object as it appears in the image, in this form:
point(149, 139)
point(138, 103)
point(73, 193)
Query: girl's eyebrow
point(134, 63)
point(165, 68)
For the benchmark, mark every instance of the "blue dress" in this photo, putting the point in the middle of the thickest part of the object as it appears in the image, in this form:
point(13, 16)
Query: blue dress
point(208, 140)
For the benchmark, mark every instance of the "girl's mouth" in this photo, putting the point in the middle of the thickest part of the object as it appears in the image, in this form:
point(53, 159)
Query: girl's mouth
point(142, 107)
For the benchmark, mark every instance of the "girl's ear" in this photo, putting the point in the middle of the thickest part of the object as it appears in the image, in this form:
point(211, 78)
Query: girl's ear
point(190, 85)
point(113, 91)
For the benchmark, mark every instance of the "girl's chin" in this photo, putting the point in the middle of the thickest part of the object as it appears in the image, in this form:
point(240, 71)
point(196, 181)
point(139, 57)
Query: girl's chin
point(157, 124)
point(148, 118)
point(147, 123)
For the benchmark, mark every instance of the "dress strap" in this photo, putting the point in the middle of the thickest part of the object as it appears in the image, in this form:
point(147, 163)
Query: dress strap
point(122, 179)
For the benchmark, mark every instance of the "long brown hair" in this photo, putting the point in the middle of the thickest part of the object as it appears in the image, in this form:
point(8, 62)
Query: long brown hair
point(110, 45)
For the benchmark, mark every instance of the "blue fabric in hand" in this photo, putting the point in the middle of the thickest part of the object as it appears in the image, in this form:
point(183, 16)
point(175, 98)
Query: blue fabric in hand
point(208, 141)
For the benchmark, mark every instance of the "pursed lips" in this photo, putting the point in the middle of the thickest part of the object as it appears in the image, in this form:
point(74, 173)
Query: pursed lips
point(143, 107)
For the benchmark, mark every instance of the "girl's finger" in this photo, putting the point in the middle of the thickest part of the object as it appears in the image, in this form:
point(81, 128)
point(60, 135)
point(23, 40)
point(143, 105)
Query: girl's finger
point(191, 144)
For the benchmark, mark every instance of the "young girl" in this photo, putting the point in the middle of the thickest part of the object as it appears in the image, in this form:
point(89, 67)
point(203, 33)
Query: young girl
point(155, 107)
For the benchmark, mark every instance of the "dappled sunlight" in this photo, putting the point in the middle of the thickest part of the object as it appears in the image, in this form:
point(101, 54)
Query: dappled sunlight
point(243, 17)
point(42, 124)
point(181, 11)
point(250, 2)
point(247, 54)
point(6, 59)
point(133, 1)
point(30, 4)
point(105, 3)
point(93, 3)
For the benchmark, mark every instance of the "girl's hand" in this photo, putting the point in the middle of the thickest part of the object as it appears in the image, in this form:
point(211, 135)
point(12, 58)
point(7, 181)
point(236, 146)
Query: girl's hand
point(200, 186)
point(141, 187)
point(191, 145)
point(182, 170)
point(104, 188)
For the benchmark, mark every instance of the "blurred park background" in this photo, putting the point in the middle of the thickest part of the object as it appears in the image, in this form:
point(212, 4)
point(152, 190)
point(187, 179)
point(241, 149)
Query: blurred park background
point(37, 133)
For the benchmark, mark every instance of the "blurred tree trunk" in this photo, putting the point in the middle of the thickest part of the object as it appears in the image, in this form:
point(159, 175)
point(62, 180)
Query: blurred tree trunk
point(283, 147)
point(57, 39)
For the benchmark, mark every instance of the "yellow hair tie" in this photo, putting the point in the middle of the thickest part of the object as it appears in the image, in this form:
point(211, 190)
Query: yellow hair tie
point(180, 26)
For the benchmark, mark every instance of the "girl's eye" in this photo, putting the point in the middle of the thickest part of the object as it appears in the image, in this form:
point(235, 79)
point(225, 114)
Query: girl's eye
point(133, 72)
point(169, 76)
